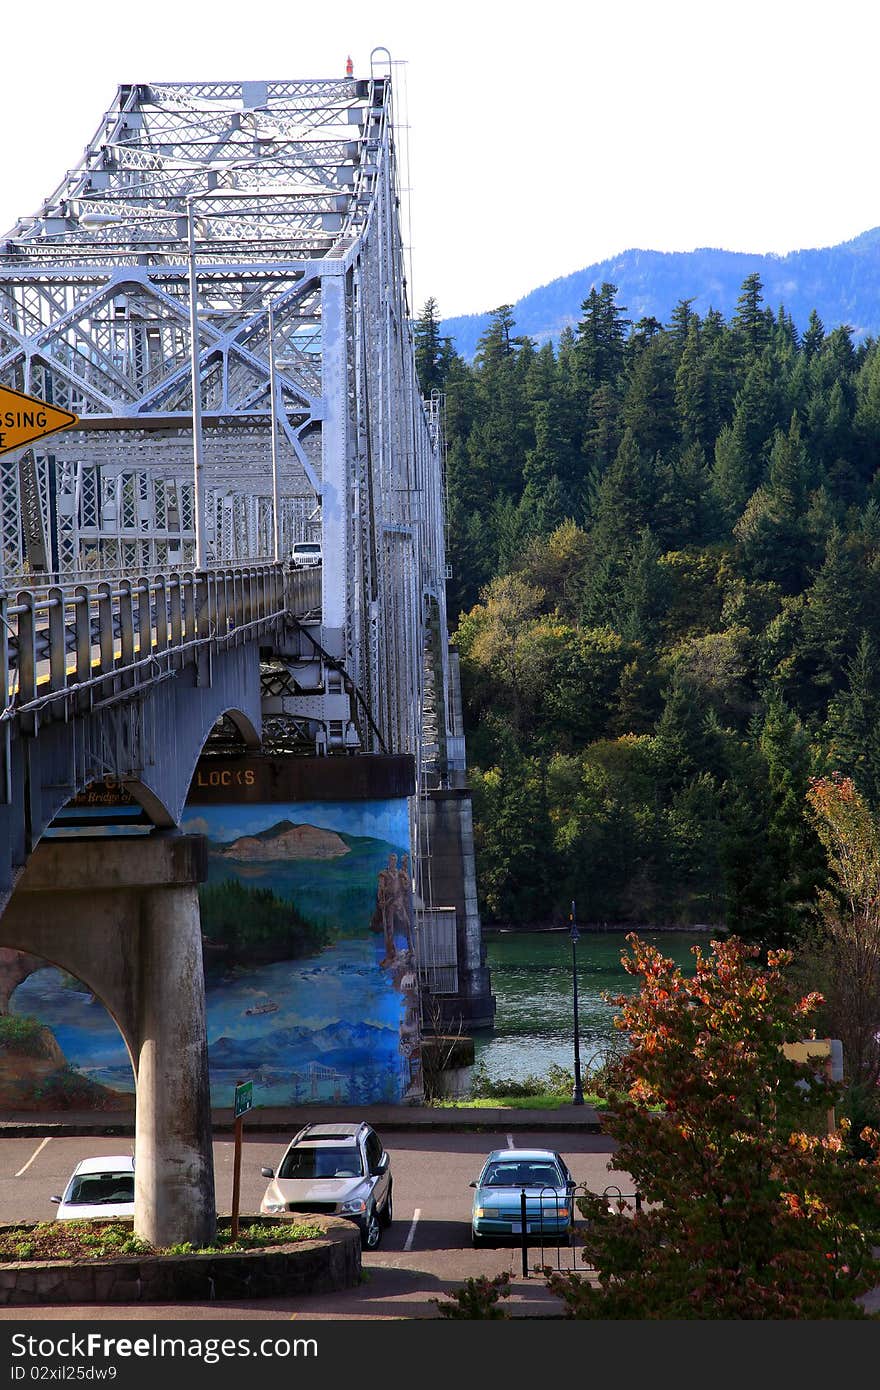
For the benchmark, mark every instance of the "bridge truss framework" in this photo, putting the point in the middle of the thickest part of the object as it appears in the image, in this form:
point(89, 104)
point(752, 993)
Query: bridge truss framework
point(259, 194)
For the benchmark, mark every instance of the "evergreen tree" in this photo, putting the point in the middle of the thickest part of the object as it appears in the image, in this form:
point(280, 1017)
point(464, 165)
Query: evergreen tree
point(732, 474)
point(624, 500)
point(772, 531)
point(749, 320)
point(648, 408)
point(432, 351)
point(814, 338)
point(643, 593)
point(795, 853)
point(853, 723)
point(831, 623)
point(600, 339)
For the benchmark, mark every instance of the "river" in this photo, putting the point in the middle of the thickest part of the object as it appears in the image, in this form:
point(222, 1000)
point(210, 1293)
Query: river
point(532, 983)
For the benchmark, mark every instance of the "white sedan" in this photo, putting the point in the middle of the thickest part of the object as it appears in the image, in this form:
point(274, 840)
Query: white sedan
point(102, 1187)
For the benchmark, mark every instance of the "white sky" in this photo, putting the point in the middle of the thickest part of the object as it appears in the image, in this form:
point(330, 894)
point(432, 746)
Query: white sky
point(541, 138)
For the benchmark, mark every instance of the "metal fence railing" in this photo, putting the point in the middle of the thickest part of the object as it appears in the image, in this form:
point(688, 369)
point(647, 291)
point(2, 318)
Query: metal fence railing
point(541, 1243)
point(64, 647)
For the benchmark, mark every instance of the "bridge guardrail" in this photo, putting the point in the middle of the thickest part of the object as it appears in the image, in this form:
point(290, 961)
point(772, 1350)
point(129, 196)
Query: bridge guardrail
point(125, 634)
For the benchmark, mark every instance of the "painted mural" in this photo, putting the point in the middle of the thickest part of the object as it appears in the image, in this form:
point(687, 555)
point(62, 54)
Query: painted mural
point(311, 985)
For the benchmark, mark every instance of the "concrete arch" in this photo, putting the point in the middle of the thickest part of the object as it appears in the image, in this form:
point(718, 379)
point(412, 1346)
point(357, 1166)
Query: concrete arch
point(149, 744)
point(122, 915)
point(33, 964)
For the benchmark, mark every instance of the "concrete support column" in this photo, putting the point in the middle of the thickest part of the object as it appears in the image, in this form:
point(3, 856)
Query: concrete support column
point(448, 829)
point(174, 1174)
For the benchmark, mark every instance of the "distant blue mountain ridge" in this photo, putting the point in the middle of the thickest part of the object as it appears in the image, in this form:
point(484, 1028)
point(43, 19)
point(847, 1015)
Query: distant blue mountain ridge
point(842, 283)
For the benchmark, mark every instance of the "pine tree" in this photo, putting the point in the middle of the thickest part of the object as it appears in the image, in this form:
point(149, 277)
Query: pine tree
point(814, 338)
point(433, 352)
point(600, 338)
point(624, 499)
point(643, 593)
point(853, 723)
point(749, 320)
point(648, 408)
point(795, 852)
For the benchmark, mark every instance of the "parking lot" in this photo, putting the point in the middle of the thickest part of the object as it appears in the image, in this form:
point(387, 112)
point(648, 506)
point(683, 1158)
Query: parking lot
point(426, 1251)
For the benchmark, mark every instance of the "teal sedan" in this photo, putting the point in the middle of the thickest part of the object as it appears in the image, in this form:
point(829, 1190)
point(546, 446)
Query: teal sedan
point(548, 1185)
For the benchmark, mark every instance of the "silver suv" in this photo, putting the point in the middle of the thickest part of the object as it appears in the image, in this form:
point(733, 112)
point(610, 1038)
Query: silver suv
point(338, 1169)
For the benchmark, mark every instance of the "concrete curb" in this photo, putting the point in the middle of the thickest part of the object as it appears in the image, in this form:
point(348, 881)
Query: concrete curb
point(326, 1265)
point(416, 1119)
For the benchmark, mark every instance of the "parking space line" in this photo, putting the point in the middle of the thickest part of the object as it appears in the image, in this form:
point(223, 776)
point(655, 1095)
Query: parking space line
point(510, 1143)
point(37, 1150)
point(410, 1237)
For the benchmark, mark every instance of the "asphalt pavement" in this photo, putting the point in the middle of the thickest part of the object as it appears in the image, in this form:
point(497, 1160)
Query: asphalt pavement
point(428, 1253)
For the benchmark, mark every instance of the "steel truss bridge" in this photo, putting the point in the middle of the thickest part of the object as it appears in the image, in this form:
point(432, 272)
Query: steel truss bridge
point(243, 236)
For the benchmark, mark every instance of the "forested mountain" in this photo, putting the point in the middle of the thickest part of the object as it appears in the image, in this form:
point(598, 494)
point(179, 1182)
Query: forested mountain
point(842, 283)
point(665, 544)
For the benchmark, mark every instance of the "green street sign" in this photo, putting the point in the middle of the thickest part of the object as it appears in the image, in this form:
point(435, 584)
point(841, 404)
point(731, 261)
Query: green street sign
point(244, 1098)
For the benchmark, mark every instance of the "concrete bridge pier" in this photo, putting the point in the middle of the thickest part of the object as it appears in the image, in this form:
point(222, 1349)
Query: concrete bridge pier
point(123, 916)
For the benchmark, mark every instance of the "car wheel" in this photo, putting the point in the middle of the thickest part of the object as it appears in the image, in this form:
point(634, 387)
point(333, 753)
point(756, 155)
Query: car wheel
point(387, 1211)
point(371, 1232)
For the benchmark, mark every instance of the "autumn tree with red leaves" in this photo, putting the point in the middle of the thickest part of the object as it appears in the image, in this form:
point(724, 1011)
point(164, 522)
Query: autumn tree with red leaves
point(752, 1209)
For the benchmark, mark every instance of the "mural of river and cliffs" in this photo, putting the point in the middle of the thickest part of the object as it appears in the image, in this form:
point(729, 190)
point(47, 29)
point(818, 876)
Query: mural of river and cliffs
point(310, 978)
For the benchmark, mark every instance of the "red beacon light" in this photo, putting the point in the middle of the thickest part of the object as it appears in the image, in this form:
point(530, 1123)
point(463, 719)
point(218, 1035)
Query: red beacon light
point(349, 68)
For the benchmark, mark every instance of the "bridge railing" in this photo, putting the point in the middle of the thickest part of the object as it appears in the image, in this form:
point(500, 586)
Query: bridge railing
point(64, 648)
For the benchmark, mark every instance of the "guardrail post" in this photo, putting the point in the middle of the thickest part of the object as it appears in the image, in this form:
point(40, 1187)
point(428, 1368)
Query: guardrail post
point(189, 607)
point(221, 600)
point(237, 602)
point(202, 599)
point(126, 633)
point(106, 643)
point(82, 632)
point(27, 648)
point(175, 605)
point(145, 619)
point(160, 604)
point(57, 640)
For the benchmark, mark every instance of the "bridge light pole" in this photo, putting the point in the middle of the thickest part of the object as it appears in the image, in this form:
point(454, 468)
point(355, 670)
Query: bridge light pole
point(198, 443)
point(276, 520)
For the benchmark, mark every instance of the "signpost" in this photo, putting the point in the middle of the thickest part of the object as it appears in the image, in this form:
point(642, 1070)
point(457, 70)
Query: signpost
point(243, 1101)
point(23, 419)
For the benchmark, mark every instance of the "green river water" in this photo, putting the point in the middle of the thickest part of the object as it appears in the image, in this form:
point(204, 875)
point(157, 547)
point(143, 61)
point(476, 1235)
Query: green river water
point(532, 984)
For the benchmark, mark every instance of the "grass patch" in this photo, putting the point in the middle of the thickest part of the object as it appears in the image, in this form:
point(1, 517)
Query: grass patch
point(540, 1102)
point(92, 1240)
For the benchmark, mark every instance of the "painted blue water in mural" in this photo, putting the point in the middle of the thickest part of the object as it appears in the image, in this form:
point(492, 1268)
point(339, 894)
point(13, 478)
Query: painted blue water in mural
point(310, 986)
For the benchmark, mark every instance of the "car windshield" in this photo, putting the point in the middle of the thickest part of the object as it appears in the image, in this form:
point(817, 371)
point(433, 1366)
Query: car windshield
point(321, 1163)
point(307, 549)
point(522, 1175)
point(98, 1189)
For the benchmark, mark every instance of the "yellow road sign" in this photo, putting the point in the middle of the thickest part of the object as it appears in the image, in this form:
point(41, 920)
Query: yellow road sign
point(24, 419)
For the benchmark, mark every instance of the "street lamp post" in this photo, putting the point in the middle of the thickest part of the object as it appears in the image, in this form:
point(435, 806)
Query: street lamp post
point(276, 520)
point(577, 1096)
point(198, 447)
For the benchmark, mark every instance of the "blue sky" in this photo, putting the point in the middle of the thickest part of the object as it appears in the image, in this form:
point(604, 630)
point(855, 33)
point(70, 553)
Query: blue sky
point(535, 141)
